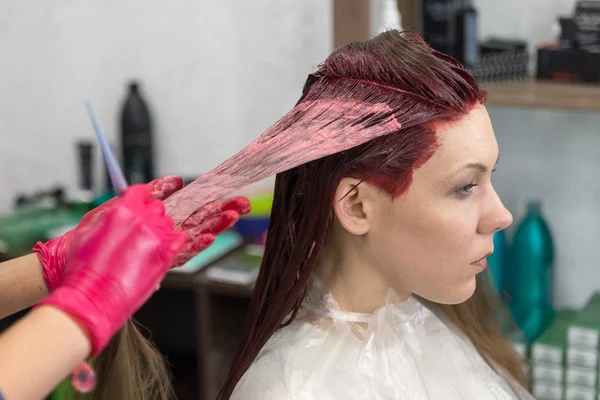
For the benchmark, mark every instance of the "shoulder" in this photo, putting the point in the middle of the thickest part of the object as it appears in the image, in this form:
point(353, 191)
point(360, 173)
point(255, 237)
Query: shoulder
point(276, 373)
point(267, 378)
point(270, 389)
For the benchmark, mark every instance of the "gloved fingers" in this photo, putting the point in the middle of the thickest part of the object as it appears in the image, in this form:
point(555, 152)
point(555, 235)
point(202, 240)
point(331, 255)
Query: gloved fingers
point(193, 247)
point(162, 188)
point(239, 204)
point(202, 236)
point(215, 225)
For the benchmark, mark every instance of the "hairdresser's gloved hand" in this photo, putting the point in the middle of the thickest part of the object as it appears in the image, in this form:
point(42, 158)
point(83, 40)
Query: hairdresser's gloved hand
point(200, 229)
point(114, 266)
point(53, 254)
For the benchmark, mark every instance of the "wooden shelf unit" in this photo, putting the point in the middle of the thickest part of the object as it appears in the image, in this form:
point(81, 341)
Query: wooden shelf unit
point(542, 94)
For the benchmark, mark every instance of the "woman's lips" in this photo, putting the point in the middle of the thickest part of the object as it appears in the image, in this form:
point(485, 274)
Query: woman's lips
point(482, 262)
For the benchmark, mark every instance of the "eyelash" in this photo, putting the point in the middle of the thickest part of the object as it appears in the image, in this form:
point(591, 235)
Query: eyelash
point(467, 190)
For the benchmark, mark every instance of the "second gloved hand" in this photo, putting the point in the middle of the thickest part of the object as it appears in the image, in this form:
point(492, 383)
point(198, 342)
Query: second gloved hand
point(200, 229)
point(114, 266)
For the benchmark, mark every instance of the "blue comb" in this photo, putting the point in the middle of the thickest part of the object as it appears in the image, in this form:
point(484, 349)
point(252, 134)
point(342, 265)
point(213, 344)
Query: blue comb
point(114, 170)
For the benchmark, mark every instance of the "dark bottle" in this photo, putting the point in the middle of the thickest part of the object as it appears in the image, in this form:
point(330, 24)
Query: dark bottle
point(136, 138)
point(466, 47)
point(437, 20)
point(86, 166)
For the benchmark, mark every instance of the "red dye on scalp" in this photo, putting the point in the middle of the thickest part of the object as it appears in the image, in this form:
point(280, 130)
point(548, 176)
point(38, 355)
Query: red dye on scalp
point(341, 108)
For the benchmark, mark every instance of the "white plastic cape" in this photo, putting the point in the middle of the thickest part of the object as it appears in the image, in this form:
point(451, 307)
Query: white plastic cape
point(403, 351)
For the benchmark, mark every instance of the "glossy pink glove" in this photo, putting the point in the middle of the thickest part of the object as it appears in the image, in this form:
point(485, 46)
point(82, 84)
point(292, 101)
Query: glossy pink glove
point(116, 265)
point(200, 229)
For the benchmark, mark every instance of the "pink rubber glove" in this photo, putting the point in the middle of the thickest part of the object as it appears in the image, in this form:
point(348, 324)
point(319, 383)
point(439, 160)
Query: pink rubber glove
point(200, 229)
point(115, 266)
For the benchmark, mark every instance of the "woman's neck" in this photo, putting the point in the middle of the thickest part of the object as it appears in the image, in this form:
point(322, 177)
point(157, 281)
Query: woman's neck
point(353, 282)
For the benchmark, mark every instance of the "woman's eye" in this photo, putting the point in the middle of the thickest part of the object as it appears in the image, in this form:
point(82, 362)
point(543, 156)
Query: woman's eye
point(466, 190)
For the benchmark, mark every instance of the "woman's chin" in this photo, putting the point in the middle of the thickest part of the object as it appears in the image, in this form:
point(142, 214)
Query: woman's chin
point(454, 295)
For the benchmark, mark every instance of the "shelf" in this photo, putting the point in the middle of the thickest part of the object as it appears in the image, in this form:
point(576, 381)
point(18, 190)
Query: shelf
point(226, 288)
point(539, 94)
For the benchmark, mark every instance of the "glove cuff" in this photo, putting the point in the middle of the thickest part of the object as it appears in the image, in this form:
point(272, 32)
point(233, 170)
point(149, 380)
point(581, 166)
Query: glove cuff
point(100, 326)
point(51, 271)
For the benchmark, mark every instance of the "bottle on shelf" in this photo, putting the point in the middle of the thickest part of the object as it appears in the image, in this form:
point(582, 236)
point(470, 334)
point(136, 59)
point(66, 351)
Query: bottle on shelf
point(531, 275)
point(136, 137)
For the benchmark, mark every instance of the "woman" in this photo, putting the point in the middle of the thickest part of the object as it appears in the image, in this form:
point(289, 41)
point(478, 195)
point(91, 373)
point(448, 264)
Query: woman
point(372, 283)
point(130, 367)
point(112, 269)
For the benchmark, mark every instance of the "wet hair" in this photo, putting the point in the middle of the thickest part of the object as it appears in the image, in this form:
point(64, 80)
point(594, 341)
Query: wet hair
point(424, 88)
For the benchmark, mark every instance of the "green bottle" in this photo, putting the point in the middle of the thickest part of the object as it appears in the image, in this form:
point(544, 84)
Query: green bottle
point(530, 273)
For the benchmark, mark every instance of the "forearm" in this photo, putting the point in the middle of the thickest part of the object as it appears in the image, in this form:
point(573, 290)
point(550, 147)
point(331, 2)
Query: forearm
point(21, 284)
point(38, 352)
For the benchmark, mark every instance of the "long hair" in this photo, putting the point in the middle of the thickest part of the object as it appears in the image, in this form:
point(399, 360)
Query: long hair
point(129, 368)
point(425, 88)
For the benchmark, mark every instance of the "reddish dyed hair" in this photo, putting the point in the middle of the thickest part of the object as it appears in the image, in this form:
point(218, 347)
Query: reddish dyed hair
point(423, 87)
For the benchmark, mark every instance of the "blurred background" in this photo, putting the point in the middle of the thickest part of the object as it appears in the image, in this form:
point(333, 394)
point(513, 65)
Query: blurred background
point(180, 87)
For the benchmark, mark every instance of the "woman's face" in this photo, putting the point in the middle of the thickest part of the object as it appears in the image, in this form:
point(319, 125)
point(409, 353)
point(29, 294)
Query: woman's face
point(437, 236)
point(434, 239)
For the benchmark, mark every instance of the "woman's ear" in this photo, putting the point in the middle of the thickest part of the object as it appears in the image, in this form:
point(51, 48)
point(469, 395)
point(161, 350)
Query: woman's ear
point(351, 205)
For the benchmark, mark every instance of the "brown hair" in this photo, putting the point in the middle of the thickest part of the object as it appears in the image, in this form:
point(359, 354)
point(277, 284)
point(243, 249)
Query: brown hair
point(424, 87)
point(129, 368)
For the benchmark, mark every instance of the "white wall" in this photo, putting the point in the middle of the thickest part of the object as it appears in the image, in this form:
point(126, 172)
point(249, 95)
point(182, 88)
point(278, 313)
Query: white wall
point(532, 20)
point(216, 74)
